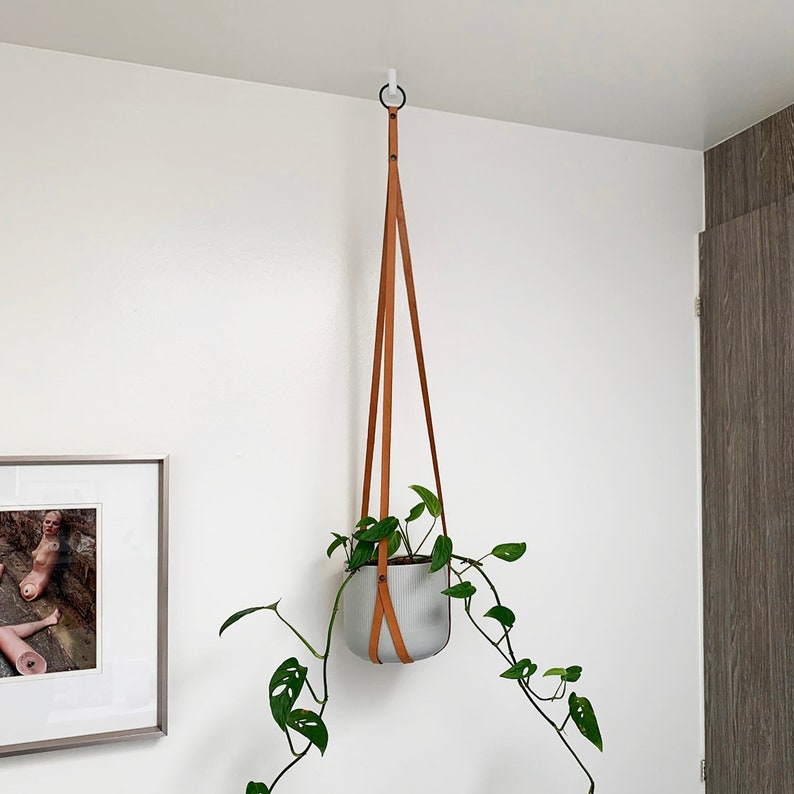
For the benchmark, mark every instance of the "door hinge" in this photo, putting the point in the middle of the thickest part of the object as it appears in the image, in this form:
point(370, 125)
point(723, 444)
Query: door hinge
point(703, 770)
point(698, 306)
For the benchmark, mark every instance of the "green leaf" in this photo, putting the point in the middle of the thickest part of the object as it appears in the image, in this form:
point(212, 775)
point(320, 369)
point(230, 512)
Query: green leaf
point(430, 500)
point(571, 674)
point(509, 552)
point(380, 530)
point(338, 541)
point(416, 511)
point(583, 715)
point(462, 590)
point(361, 554)
point(522, 669)
point(237, 615)
point(366, 521)
point(310, 725)
point(394, 543)
point(442, 551)
point(285, 686)
point(501, 613)
point(256, 788)
point(554, 671)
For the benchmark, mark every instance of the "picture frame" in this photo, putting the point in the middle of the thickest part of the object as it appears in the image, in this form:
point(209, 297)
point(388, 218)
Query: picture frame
point(83, 600)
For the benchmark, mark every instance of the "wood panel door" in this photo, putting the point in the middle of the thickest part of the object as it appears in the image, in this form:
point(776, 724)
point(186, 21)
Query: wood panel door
point(747, 376)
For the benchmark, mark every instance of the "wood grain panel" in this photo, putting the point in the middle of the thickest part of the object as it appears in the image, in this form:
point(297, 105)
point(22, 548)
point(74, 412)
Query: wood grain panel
point(747, 377)
point(750, 170)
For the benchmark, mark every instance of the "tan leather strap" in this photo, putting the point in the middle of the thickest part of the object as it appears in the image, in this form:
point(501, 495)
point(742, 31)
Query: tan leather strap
point(420, 363)
point(385, 608)
point(383, 602)
point(388, 330)
point(420, 356)
point(377, 358)
point(383, 364)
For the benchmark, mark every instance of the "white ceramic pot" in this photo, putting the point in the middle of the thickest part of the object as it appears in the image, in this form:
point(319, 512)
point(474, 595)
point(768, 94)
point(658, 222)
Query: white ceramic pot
point(422, 612)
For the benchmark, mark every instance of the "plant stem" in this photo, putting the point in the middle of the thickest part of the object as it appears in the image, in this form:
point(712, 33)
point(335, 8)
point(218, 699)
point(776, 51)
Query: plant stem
point(287, 768)
point(510, 657)
point(427, 535)
point(467, 610)
point(291, 745)
point(298, 634)
point(540, 697)
point(324, 657)
point(477, 566)
point(313, 693)
point(331, 622)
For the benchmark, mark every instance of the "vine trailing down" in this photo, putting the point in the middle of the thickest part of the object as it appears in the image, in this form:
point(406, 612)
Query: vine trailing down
point(291, 679)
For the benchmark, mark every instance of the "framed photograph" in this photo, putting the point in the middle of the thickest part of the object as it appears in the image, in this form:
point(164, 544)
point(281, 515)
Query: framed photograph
point(83, 600)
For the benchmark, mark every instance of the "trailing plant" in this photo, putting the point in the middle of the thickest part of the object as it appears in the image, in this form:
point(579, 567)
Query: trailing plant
point(291, 679)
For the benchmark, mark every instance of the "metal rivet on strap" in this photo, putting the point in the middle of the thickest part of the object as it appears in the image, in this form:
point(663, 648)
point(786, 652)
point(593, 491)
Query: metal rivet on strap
point(393, 157)
point(382, 577)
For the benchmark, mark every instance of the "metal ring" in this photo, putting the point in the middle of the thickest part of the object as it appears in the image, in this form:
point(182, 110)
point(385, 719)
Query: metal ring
point(391, 107)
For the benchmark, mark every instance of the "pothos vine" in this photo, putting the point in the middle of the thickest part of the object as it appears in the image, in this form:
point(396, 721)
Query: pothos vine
point(291, 680)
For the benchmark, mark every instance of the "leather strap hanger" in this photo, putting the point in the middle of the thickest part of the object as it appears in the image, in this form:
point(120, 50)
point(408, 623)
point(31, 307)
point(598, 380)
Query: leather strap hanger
point(383, 367)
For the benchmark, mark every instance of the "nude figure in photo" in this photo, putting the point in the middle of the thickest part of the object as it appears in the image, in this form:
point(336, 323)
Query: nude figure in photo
point(45, 557)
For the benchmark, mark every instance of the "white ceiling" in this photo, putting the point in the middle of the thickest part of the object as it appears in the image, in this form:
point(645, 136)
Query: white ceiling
point(685, 73)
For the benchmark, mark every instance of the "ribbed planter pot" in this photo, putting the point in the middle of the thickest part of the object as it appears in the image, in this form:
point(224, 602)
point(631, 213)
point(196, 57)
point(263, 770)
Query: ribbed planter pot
point(422, 612)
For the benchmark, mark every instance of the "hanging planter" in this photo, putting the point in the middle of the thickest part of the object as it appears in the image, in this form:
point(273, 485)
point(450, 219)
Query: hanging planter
point(395, 612)
point(420, 609)
point(396, 605)
point(396, 596)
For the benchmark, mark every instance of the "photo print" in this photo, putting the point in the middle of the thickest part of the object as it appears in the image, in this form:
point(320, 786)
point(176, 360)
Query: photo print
point(48, 590)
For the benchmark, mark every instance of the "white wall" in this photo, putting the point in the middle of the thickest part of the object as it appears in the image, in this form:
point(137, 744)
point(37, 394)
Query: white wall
point(189, 265)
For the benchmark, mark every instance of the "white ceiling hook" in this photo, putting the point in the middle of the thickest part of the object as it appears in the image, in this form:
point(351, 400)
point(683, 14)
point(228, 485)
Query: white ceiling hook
point(392, 77)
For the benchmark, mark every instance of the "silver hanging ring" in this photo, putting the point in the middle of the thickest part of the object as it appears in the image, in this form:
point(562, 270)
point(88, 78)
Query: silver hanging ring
point(392, 107)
